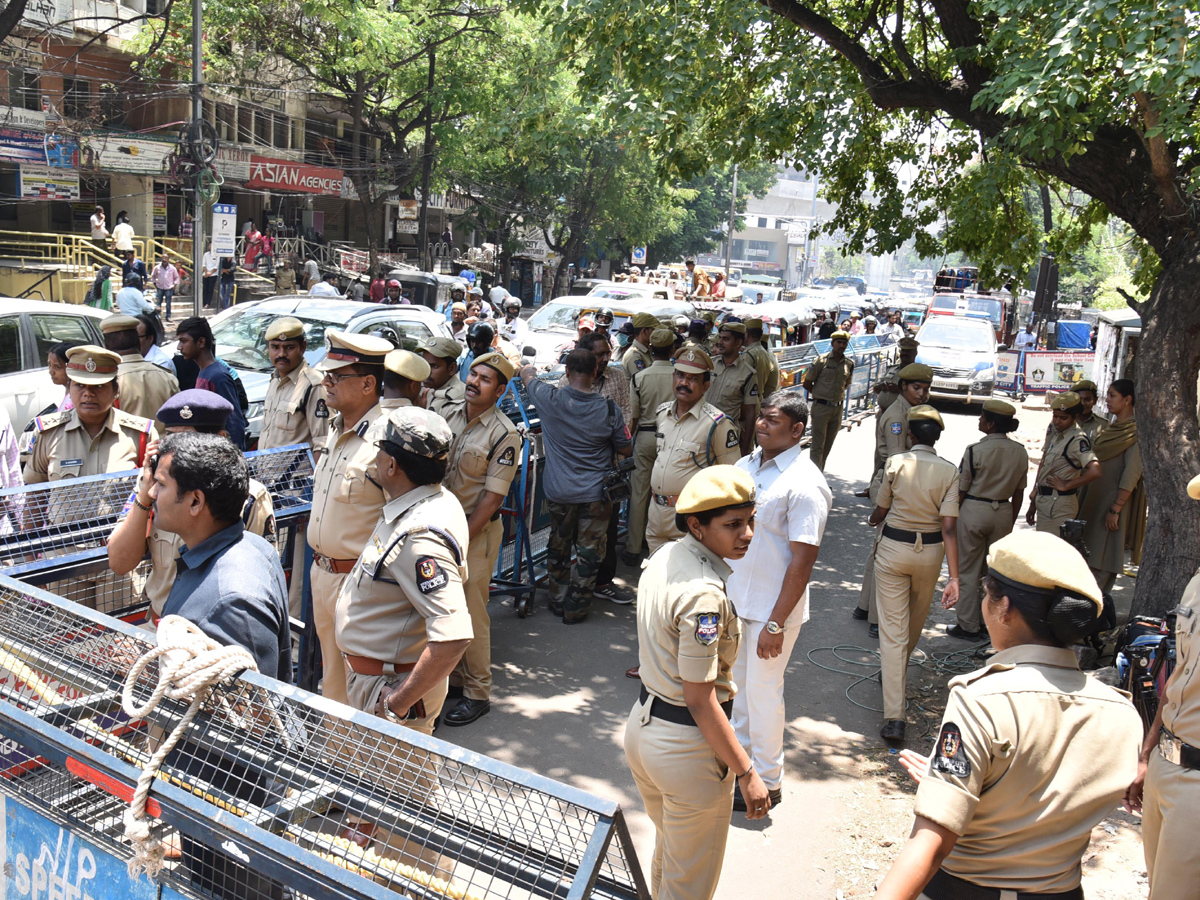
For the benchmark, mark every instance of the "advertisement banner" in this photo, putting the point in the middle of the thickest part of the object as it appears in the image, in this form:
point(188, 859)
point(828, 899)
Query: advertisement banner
point(224, 229)
point(1008, 367)
point(24, 146)
point(1056, 370)
point(47, 183)
point(15, 117)
point(160, 212)
point(124, 153)
point(281, 175)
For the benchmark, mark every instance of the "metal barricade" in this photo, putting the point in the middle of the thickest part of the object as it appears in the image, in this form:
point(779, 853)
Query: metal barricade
point(872, 354)
point(256, 791)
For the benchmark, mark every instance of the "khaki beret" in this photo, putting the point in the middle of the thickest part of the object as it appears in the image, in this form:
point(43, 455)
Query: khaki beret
point(285, 328)
point(1193, 488)
point(694, 360)
point(1068, 400)
point(407, 364)
point(1043, 563)
point(458, 306)
point(908, 343)
point(497, 361)
point(734, 327)
point(1001, 407)
point(1086, 385)
point(89, 364)
point(661, 337)
point(715, 487)
point(708, 316)
point(418, 431)
point(925, 413)
point(118, 323)
point(442, 347)
point(916, 372)
point(753, 323)
point(644, 320)
point(346, 349)
point(840, 336)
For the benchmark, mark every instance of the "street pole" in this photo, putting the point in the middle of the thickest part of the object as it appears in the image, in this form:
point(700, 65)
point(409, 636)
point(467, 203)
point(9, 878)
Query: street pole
point(197, 114)
point(426, 167)
point(732, 215)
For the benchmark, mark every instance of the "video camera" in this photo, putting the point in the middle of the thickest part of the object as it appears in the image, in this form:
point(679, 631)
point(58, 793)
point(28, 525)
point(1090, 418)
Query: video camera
point(616, 481)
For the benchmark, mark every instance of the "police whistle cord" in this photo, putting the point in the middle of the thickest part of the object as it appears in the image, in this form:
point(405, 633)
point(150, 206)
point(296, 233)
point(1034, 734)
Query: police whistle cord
point(954, 663)
point(190, 664)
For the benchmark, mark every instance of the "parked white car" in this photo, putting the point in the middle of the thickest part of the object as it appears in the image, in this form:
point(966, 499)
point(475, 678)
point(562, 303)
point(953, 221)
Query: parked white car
point(28, 329)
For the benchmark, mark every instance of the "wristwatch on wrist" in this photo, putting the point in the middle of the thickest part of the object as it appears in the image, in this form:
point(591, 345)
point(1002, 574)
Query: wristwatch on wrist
point(774, 627)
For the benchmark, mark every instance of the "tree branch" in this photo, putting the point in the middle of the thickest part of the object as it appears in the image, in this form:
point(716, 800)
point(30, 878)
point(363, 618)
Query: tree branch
point(10, 16)
point(1133, 302)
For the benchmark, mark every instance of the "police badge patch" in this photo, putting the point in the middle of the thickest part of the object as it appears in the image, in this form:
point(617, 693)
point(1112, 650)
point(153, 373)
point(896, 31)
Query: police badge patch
point(430, 576)
point(897, 427)
point(508, 457)
point(322, 410)
point(640, 364)
point(731, 440)
point(1084, 445)
point(948, 755)
point(708, 628)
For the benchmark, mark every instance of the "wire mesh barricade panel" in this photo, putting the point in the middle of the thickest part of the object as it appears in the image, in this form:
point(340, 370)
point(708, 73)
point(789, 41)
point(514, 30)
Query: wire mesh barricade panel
point(265, 778)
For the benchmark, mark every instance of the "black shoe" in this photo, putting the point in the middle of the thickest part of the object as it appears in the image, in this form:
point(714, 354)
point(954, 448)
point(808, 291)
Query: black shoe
point(858, 614)
point(892, 730)
point(467, 711)
point(957, 631)
point(614, 592)
point(776, 796)
point(631, 559)
point(863, 493)
point(873, 632)
point(574, 620)
point(454, 692)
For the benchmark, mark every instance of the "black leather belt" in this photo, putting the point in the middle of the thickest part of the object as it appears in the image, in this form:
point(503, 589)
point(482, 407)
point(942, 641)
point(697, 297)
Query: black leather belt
point(680, 715)
point(984, 499)
point(1047, 491)
point(642, 428)
point(910, 537)
point(944, 886)
point(1174, 750)
point(827, 402)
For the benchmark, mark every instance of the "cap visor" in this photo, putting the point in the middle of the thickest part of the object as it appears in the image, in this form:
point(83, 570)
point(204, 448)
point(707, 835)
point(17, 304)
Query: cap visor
point(329, 365)
point(91, 377)
point(688, 367)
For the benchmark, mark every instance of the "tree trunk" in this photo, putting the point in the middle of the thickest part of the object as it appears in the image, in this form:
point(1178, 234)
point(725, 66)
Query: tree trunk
point(570, 253)
point(1168, 363)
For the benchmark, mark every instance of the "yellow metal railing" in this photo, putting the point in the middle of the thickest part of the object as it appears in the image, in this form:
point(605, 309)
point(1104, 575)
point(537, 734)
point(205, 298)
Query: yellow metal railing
point(79, 254)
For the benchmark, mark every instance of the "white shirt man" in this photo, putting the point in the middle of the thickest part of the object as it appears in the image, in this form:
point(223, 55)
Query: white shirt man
point(210, 264)
point(769, 586)
point(895, 329)
point(1026, 340)
point(99, 227)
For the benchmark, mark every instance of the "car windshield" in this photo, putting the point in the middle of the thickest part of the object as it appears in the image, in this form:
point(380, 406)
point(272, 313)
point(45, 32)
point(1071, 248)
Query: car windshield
point(956, 335)
point(241, 338)
point(555, 316)
point(993, 309)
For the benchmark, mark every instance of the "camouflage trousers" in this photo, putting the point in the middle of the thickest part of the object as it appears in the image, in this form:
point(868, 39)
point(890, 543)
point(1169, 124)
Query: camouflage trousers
point(579, 529)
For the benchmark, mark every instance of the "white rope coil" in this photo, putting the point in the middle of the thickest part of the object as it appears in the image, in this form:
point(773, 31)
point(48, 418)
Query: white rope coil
point(190, 665)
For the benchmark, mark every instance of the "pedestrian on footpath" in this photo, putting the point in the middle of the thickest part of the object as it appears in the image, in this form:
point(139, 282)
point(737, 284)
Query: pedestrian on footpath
point(678, 740)
point(769, 585)
point(1068, 464)
point(826, 381)
point(1032, 753)
point(919, 499)
point(165, 278)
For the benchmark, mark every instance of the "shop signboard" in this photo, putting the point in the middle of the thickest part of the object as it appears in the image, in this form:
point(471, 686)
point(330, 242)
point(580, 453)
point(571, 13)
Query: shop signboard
point(233, 163)
point(14, 117)
point(127, 154)
point(1056, 370)
point(48, 182)
point(282, 175)
point(160, 212)
point(407, 226)
point(54, 16)
point(408, 209)
point(21, 145)
point(224, 229)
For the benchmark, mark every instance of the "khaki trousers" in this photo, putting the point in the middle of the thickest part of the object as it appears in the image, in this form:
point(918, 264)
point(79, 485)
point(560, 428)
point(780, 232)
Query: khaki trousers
point(1170, 821)
point(824, 421)
point(866, 595)
point(474, 671)
point(905, 578)
point(644, 446)
point(1053, 510)
point(979, 526)
point(688, 795)
point(325, 589)
point(660, 527)
point(296, 582)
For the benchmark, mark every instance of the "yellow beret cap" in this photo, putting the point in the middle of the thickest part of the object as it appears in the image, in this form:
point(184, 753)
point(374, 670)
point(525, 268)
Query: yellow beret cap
point(1086, 385)
point(1043, 562)
point(1001, 407)
point(695, 360)
point(840, 336)
point(645, 320)
point(753, 323)
point(715, 487)
point(1194, 488)
point(1068, 400)
point(118, 323)
point(916, 372)
point(708, 316)
point(497, 361)
point(925, 413)
point(285, 328)
point(661, 337)
point(735, 327)
point(441, 347)
point(407, 364)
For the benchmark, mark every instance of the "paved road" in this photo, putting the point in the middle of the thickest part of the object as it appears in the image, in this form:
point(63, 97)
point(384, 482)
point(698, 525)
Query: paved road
point(561, 700)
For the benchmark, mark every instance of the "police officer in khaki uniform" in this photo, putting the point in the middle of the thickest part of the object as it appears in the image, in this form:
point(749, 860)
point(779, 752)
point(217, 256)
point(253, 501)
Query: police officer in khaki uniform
point(691, 435)
point(764, 360)
point(1032, 753)
point(891, 437)
point(484, 456)
point(991, 486)
point(1068, 464)
point(1169, 763)
point(192, 410)
point(919, 499)
point(648, 390)
point(347, 496)
point(443, 387)
point(734, 388)
point(404, 374)
point(637, 354)
point(295, 410)
point(826, 381)
point(680, 746)
point(887, 388)
point(142, 385)
point(1089, 423)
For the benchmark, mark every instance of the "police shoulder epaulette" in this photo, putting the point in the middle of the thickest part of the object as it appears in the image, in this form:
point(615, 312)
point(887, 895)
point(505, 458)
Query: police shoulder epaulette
point(314, 377)
point(662, 407)
point(129, 420)
point(971, 677)
point(713, 413)
point(45, 423)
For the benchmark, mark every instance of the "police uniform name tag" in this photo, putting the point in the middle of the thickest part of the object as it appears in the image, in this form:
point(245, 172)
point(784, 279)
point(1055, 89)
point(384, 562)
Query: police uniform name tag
point(948, 755)
point(66, 463)
point(708, 628)
point(430, 576)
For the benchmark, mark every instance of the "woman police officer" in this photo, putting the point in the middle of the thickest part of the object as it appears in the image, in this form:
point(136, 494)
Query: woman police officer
point(678, 740)
point(1032, 754)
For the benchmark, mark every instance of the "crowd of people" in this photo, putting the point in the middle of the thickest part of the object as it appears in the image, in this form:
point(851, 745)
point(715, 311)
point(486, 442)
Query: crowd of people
point(726, 516)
